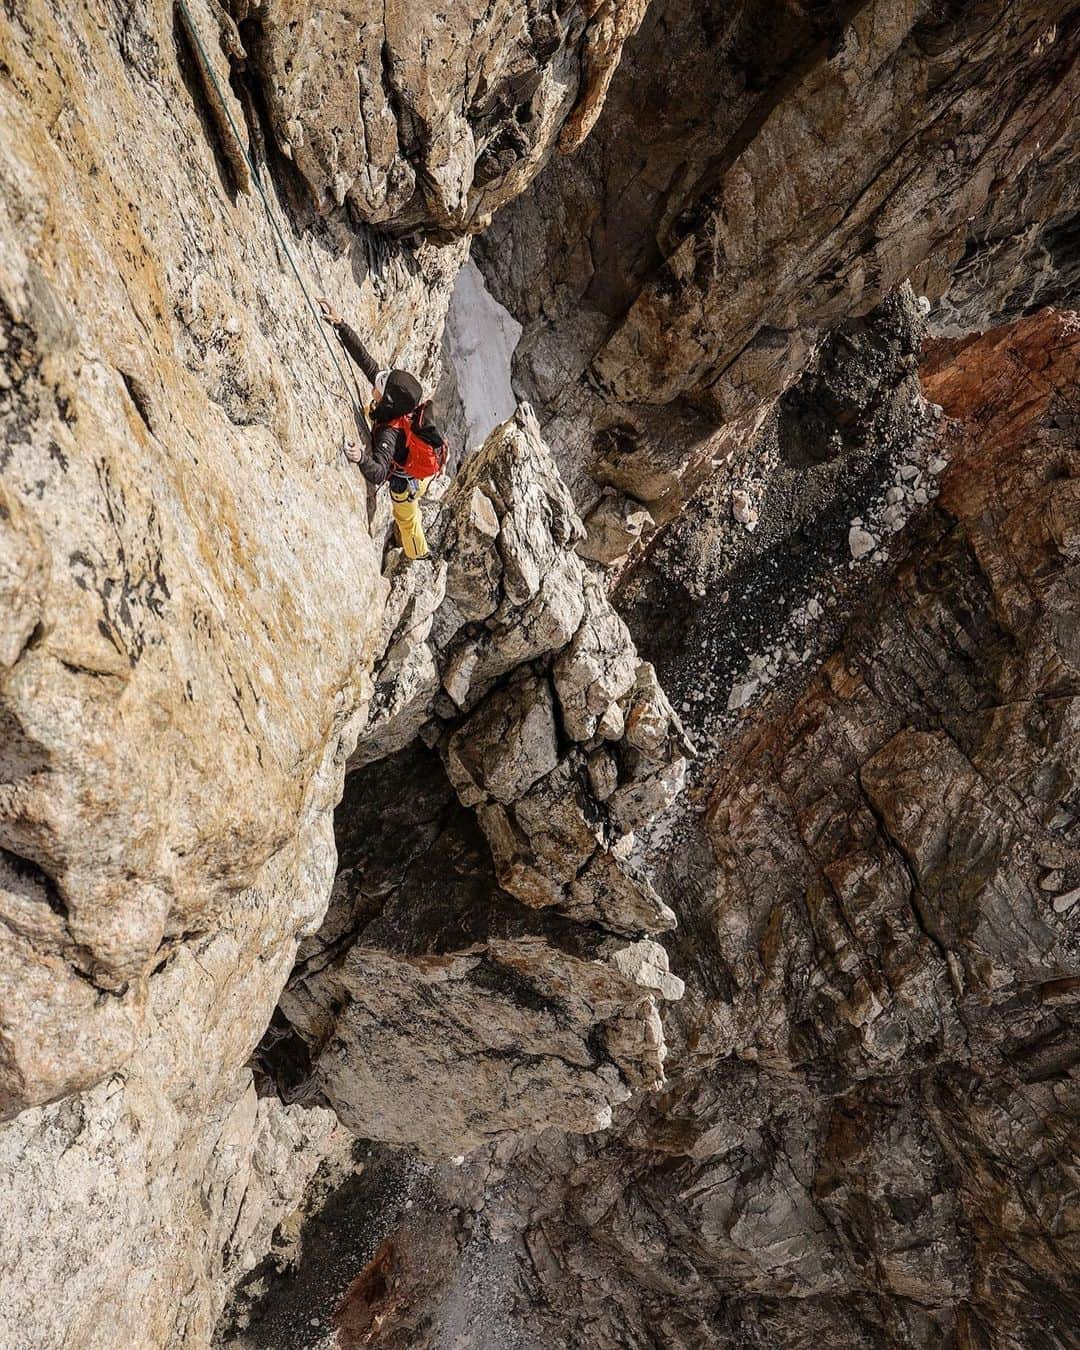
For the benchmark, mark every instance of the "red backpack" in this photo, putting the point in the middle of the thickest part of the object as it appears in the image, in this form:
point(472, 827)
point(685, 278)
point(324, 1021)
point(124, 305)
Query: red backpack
point(426, 449)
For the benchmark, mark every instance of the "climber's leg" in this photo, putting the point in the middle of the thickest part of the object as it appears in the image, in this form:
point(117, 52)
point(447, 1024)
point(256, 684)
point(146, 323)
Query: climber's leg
point(405, 493)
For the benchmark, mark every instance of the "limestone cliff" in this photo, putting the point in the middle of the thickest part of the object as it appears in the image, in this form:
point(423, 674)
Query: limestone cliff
point(652, 921)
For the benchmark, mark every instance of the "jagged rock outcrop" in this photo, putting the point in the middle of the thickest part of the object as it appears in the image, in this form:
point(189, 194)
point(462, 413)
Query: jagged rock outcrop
point(449, 1052)
point(434, 118)
point(576, 750)
point(509, 657)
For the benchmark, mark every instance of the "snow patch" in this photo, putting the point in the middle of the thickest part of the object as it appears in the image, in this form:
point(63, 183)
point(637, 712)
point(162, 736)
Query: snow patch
point(481, 337)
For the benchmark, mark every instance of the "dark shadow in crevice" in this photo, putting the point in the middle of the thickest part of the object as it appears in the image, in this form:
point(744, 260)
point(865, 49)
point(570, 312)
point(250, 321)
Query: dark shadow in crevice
point(191, 75)
point(140, 398)
point(30, 881)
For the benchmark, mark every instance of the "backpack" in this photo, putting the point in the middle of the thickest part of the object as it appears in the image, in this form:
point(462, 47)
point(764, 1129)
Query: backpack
point(425, 447)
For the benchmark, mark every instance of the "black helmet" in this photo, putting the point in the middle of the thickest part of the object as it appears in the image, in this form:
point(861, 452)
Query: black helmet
point(401, 395)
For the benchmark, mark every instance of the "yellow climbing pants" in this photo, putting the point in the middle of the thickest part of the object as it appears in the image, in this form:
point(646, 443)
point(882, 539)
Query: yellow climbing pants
point(406, 508)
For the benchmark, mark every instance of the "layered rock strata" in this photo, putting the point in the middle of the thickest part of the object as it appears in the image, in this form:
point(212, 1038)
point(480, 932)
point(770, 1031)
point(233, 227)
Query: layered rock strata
point(868, 1134)
point(759, 174)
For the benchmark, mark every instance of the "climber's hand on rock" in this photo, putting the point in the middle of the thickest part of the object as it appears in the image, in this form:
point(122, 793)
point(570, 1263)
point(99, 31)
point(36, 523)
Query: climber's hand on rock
point(353, 453)
point(329, 313)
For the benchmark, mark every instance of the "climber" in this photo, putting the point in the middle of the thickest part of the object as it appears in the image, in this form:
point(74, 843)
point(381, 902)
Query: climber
point(405, 448)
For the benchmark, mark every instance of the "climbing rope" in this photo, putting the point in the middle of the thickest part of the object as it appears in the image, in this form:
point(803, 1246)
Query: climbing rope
point(351, 393)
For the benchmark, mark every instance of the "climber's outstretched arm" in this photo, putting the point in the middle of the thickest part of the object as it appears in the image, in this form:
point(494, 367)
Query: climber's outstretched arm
point(351, 341)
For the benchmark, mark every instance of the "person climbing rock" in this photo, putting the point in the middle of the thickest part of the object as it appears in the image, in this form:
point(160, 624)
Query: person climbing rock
point(405, 448)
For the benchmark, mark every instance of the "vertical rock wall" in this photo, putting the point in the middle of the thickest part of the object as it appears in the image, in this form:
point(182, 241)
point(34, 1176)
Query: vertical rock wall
point(190, 599)
point(868, 1092)
point(191, 593)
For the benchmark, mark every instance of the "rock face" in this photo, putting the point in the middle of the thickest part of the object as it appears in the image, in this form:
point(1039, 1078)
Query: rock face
point(886, 859)
point(300, 844)
point(675, 276)
point(510, 658)
point(163, 467)
point(432, 117)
